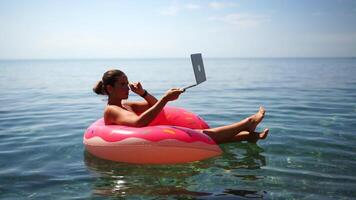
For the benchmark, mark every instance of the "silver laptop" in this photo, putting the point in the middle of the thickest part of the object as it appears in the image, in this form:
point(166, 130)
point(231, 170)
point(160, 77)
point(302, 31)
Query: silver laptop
point(198, 67)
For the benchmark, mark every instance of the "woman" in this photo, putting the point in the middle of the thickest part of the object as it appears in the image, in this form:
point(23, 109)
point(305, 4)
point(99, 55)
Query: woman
point(115, 84)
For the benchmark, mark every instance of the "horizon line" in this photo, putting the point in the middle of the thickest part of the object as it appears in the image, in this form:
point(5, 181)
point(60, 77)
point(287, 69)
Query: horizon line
point(168, 58)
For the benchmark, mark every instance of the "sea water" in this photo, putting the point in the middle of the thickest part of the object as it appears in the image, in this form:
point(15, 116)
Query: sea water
point(310, 153)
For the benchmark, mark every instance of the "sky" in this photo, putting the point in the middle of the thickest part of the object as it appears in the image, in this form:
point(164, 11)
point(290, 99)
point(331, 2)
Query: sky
point(92, 29)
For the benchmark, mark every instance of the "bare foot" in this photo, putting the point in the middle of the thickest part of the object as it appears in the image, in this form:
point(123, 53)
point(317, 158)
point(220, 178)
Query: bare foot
point(254, 137)
point(257, 118)
point(263, 134)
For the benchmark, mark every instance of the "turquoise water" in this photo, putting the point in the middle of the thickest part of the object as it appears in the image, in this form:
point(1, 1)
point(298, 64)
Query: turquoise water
point(310, 152)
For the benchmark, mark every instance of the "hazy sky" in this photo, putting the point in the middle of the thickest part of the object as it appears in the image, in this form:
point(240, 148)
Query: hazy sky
point(155, 29)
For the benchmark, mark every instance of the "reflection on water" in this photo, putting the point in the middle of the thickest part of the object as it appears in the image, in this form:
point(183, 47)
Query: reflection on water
point(193, 180)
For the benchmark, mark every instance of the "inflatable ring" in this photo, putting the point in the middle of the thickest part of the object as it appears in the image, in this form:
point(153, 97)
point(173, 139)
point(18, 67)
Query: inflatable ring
point(170, 138)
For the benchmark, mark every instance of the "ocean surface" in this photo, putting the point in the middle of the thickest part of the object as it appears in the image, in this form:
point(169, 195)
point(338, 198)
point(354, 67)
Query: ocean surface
point(310, 153)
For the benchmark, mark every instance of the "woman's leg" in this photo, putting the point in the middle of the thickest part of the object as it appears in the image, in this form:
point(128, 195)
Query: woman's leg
point(228, 133)
point(252, 137)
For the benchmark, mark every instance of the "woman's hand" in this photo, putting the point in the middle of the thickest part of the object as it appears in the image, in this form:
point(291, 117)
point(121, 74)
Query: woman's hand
point(172, 94)
point(137, 88)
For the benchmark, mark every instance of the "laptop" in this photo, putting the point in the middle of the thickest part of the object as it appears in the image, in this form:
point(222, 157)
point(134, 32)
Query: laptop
point(198, 67)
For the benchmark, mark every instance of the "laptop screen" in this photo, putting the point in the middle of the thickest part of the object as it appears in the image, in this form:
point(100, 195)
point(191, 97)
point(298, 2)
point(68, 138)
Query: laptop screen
point(198, 66)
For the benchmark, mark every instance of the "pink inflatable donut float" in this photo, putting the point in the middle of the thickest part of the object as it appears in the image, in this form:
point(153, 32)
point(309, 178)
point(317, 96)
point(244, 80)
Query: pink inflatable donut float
point(169, 139)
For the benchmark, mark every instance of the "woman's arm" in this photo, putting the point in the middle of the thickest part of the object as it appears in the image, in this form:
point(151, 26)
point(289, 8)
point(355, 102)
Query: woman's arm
point(117, 115)
point(141, 106)
point(150, 99)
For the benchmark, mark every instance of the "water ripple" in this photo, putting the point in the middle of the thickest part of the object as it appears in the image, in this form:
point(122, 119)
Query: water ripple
point(309, 154)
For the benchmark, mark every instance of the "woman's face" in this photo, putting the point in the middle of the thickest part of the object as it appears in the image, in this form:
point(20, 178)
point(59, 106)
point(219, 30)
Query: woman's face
point(121, 88)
